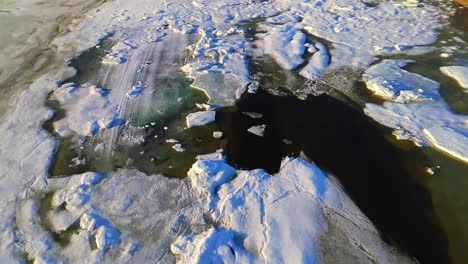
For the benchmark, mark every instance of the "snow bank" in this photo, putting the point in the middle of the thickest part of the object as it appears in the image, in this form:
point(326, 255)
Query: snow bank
point(88, 110)
point(388, 80)
point(459, 73)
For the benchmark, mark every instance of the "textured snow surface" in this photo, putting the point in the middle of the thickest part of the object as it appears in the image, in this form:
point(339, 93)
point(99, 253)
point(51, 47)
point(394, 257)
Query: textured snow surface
point(264, 218)
point(388, 80)
point(425, 124)
point(459, 73)
point(88, 110)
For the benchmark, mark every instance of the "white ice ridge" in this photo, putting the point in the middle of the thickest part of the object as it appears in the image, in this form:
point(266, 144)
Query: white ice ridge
point(88, 110)
point(459, 73)
point(427, 124)
point(388, 80)
point(263, 218)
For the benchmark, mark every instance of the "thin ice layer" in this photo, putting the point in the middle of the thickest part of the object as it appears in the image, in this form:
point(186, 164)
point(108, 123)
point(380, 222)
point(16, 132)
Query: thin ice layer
point(388, 80)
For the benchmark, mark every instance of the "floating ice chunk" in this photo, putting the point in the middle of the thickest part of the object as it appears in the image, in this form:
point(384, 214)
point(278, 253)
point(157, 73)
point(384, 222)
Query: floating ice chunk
point(388, 80)
point(178, 148)
point(425, 124)
point(284, 43)
point(317, 64)
point(200, 118)
point(218, 155)
point(253, 114)
point(459, 73)
point(448, 140)
point(217, 134)
point(88, 110)
point(253, 87)
point(257, 130)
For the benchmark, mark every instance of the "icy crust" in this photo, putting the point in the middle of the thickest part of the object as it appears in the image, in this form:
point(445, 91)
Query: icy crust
point(284, 43)
point(357, 33)
point(388, 80)
point(283, 218)
point(88, 110)
point(425, 124)
point(459, 73)
point(25, 154)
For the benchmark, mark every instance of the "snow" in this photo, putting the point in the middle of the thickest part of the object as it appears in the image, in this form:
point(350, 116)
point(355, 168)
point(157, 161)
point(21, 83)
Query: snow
point(284, 43)
point(255, 210)
point(425, 124)
point(448, 140)
point(387, 80)
point(317, 64)
point(459, 73)
point(217, 134)
point(200, 118)
point(88, 110)
point(257, 130)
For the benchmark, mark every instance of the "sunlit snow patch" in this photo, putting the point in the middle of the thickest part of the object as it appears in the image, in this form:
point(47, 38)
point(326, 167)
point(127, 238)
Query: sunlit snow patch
point(459, 73)
point(425, 124)
point(88, 110)
point(388, 80)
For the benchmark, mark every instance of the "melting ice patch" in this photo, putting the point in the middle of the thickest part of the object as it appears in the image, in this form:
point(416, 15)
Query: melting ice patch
point(88, 110)
point(387, 80)
point(459, 73)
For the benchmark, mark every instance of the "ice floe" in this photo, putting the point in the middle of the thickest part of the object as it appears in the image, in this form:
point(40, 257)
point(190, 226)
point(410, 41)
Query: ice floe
point(318, 63)
point(459, 73)
point(257, 130)
point(388, 80)
point(88, 110)
point(427, 124)
point(200, 118)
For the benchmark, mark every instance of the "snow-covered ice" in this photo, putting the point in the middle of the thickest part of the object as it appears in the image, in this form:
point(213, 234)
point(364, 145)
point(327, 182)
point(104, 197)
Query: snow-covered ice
point(448, 140)
point(427, 124)
point(459, 73)
point(200, 118)
point(257, 130)
point(88, 110)
point(388, 80)
point(317, 64)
